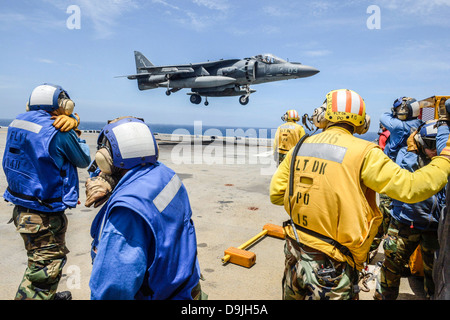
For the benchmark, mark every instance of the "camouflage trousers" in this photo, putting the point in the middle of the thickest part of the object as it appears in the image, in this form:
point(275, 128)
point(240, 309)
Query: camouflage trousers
point(385, 208)
point(197, 293)
point(399, 245)
point(308, 275)
point(44, 238)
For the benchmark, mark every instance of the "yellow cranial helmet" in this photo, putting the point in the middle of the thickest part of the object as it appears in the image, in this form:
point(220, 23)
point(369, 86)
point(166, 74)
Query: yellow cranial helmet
point(291, 115)
point(345, 105)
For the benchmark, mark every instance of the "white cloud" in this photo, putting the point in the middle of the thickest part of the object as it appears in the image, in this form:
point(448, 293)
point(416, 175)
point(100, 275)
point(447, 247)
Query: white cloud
point(319, 7)
point(104, 13)
point(194, 21)
point(220, 5)
point(279, 11)
point(317, 53)
point(165, 3)
point(47, 61)
point(33, 20)
point(191, 17)
point(425, 12)
point(416, 7)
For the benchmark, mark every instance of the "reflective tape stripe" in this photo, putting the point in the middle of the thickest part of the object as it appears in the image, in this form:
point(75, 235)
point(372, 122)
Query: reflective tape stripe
point(163, 199)
point(347, 101)
point(287, 126)
point(323, 151)
point(26, 125)
point(334, 105)
point(102, 225)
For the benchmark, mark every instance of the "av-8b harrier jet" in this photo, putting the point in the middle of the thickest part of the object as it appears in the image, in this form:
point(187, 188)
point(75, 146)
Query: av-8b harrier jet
point(222, 78)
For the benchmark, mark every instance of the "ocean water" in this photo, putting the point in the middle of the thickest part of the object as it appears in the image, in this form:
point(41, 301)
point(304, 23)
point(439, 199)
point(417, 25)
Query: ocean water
point(198, 128)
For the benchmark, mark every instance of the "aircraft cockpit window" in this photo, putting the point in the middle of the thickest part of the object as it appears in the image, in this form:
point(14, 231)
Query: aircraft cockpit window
point(269, 59)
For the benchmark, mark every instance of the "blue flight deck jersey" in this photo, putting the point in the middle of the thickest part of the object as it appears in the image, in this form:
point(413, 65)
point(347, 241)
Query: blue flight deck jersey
point(399, 130)
point(422, 215)
point(40, 163)
point(144, 244)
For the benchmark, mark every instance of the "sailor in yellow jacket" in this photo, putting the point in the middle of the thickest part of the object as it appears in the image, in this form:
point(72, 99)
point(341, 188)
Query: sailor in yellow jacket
point(287, 135)
point(329, 192)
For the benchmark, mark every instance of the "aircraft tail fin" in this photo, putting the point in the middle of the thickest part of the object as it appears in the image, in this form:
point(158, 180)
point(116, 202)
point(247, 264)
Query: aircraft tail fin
point(141, 61)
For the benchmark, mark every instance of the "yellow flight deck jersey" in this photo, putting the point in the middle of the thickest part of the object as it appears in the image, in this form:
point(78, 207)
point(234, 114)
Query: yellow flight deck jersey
point(335, 180)
point(287, 136)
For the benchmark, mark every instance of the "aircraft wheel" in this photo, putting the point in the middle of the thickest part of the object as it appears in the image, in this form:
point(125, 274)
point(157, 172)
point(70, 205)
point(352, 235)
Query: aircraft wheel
point(168, 93)
point(196, 99)
point(206, 103)
point(243, 100)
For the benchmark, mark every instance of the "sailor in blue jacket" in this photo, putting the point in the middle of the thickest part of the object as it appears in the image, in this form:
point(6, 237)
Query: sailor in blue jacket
point(144, 243)
point(40, 163)
point(412, 224)
point(401, 122)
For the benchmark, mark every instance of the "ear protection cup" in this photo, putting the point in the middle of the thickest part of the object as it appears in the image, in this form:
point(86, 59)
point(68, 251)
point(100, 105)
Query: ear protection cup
point(104, 161)
point(365, 127)
point(66, 106)
point(318, 117)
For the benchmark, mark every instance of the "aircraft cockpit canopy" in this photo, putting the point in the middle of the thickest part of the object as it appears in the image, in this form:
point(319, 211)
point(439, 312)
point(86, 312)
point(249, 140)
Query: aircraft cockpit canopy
point(269, 58)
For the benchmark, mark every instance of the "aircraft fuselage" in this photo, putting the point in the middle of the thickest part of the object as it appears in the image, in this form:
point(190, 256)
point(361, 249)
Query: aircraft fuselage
point(220, 78)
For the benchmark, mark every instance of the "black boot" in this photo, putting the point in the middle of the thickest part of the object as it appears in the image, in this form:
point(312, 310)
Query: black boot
point(64, 295)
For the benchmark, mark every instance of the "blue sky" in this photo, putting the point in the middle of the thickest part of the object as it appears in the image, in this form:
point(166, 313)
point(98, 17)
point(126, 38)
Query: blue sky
point(407, 56)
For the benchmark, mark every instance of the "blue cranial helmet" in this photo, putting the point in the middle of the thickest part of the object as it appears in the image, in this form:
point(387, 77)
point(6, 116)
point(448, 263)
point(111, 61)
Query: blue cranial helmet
point(426, 136)
point(130, 142)
point(406, 108)
point(45, 97)
point(398, 102)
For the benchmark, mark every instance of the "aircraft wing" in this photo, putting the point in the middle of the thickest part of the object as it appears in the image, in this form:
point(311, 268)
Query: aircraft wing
point(183, 68)
point(154, 70)
point(157, 72)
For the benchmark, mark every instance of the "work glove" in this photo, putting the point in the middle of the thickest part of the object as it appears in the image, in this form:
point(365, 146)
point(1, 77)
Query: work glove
point(99, 189)
point(444, 111)
point(411, 143)
point(66, 123)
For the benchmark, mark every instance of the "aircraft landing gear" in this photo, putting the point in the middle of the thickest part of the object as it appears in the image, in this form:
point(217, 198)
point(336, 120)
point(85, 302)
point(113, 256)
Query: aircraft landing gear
point(243, 100)
point(195, 99)
point(206, 101)
point(168, 92)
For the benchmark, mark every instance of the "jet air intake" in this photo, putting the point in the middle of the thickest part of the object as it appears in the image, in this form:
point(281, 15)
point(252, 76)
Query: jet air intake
point(250, 70)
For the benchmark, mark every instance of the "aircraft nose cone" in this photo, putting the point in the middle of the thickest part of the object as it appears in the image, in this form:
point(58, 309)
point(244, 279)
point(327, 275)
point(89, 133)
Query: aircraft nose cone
point(308, 71)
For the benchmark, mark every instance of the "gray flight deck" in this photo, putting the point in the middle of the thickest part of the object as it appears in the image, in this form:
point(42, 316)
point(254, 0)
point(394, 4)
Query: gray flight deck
point(228, 185)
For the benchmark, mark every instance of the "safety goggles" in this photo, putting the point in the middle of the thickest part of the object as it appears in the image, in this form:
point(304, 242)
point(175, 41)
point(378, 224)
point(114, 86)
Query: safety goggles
point(398, 102)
